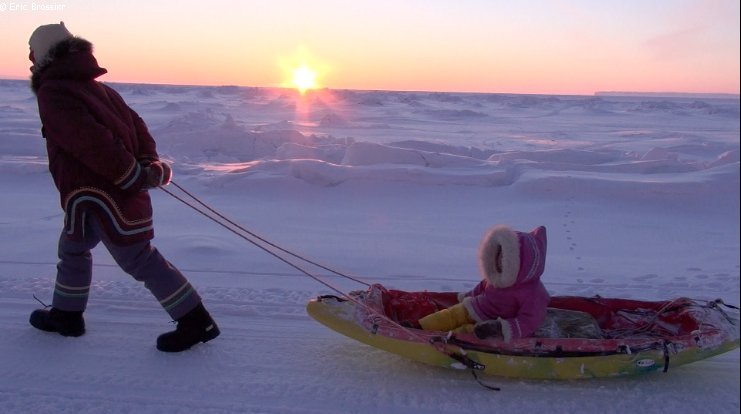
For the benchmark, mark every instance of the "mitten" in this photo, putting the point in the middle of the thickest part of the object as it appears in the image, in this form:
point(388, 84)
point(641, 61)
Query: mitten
point(158, 174)
point(488, 329)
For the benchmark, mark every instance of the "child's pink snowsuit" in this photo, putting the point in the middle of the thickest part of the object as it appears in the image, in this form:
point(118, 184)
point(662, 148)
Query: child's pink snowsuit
point(511, 263)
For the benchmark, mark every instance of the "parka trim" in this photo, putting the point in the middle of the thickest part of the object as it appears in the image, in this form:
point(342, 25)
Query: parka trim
point(108, 207)
point(499, 256)
point(130, 177)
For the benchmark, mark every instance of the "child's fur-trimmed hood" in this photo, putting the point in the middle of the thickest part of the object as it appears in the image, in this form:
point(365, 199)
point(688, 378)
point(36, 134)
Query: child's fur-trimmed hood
point(508, 257)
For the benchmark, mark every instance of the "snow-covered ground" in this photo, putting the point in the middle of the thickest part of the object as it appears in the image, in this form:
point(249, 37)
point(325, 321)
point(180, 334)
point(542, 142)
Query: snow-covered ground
point(640, 196)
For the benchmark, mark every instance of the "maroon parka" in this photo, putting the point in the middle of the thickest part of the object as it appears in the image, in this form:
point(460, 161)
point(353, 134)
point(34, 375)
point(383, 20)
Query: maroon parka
point(97, 145)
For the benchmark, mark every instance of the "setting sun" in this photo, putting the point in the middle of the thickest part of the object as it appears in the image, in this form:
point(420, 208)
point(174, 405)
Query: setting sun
point(304, 78)
point(303, 71)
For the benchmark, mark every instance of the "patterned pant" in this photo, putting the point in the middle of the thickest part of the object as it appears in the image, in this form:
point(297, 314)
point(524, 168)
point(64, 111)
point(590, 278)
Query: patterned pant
point(141, 260)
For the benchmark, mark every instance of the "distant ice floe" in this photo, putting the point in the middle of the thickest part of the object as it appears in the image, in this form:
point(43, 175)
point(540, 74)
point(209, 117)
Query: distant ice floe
point(324, 159)
point(329, 138)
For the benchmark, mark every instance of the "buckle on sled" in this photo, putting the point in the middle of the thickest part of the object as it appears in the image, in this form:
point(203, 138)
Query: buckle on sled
point(458, 355)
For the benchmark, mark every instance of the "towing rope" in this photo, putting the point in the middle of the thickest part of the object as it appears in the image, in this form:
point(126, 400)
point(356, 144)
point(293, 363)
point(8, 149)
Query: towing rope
point(235, 226)
point(265, 245)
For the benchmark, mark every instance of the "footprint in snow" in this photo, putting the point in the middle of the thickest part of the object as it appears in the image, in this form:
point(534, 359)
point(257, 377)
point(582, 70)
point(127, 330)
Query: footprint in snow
point(694, 269)
point(646, 277)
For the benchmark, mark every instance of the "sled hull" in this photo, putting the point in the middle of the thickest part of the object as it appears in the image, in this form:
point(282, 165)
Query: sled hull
point(339, 316)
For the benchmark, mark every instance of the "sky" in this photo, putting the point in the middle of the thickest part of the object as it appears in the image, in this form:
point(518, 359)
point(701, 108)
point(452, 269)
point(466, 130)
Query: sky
point(491, 46)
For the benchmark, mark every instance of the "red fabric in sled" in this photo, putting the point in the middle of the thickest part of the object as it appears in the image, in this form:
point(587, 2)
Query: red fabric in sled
point(616, 317)
point(411, 306)
point(660, 317)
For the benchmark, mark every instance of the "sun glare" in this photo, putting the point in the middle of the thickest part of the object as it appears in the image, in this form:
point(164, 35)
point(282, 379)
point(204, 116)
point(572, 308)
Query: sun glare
point(304, 78)
point(302, 71)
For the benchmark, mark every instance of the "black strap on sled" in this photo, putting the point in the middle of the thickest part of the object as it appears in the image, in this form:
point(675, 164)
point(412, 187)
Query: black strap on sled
point(488, 387)
point(716, 304)
point(474, 366)
point(666, 356)
point(440, 343)
point(467, 362)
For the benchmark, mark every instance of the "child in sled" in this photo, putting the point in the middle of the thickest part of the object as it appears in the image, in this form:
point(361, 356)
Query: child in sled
point(510, 302)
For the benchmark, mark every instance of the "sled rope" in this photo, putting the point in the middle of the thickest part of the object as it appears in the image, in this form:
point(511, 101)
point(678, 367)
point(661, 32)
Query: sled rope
point(245, 234)
point(249, 236)
point(227, 222)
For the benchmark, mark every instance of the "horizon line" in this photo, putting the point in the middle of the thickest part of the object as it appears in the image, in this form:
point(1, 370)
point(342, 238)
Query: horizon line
point(595, 93)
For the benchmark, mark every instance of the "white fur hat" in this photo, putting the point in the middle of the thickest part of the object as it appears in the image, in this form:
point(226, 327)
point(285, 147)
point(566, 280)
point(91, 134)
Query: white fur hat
point(507, 257)
point(45, 37)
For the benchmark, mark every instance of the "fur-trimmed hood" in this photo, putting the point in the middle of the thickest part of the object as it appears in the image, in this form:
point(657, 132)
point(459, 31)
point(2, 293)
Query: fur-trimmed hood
point(508, 257)
point(69, 59)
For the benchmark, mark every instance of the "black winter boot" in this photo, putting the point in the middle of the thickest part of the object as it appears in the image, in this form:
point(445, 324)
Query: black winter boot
point(193, 327)
point(54, 320)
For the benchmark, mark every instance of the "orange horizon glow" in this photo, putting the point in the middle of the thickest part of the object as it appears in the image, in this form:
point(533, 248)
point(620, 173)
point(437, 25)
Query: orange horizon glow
point(569, 47)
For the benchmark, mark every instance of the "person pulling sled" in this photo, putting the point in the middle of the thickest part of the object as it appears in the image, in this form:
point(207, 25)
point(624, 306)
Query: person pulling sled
point(103, 161)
